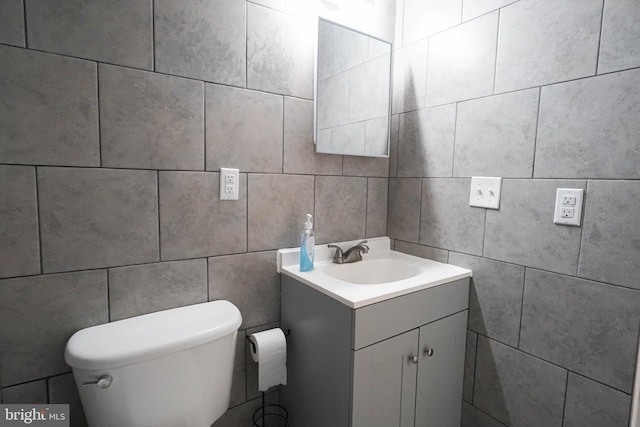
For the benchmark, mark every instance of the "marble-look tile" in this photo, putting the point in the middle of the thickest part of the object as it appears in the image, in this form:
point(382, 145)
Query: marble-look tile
point(405, 196)
point(341, 208)
point(377, 197)
point(31, 392)
point(472, 417)
point(602, 137)
point(426, 140)
point(62, 389)
point(610, 250)
point(422, 251)
point(47, 118)
point(51, 309)
point(393, 145)
point(522, 230)
point(376, 136)
point(349, 48)
point(591, 404)
point(516, 388)
point(277, 209)
point(348, 139)
point(244, 129)
point(12, 23)
point(410, 77)
point(299, 150)
point(116, 32)
point(150, 121)
point(569, 322)
point(239, 380)
point(194, 222)
point(495, 136)
point(19, 238)
point(399, 24)
point(461, 232)
point(93, 218)
point(365, 166)
point(279, 52)
point(495, 297)
point(619, 47)
point(423, 18)
point(369, 89)
point(462, 61)
point(474, 8)
point(147, 288)
point(249, 281)
point(544, 42)
point(469, 366)
point(202, 39)
point(333, 101)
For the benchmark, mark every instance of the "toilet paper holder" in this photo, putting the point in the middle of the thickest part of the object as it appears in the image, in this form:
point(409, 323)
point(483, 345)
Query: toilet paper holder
point(253, 345)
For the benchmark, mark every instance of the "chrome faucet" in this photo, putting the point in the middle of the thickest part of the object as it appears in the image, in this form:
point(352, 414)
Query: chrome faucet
point(352, 254)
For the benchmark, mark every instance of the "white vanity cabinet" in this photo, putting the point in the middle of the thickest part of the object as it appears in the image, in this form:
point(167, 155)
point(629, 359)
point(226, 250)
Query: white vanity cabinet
point(398, 362)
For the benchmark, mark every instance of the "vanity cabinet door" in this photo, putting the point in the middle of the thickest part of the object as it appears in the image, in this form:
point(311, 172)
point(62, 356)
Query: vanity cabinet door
point(440, 372)
point(384, 383)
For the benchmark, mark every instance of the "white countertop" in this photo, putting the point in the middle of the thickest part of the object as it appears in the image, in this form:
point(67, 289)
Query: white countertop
point(432, 273)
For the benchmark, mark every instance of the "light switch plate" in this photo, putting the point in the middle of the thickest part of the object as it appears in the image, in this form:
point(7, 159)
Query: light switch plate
point(568, 209)
point(485, 192)
point(229, 183)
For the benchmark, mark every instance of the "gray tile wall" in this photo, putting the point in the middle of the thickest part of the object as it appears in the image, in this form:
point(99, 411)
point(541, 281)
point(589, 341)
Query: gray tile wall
point(115, 118)
point(544, 94)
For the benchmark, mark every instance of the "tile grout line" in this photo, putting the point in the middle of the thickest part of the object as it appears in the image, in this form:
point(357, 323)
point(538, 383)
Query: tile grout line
point(600, 39)
point(26, 33)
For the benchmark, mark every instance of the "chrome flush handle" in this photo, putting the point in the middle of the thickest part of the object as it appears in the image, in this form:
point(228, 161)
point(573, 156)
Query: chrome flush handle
point(102, 382)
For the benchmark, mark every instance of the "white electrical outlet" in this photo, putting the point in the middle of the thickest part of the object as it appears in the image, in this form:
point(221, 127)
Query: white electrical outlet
point(485, 192)
point(568, 206)
point(229, 183)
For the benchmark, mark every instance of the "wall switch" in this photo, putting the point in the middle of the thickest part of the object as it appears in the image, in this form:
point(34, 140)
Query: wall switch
point(568, 206)
point(485, 192)
point(229, 183)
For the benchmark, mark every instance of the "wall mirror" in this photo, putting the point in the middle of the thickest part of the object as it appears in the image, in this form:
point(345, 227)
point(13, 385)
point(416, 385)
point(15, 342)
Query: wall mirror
point(352, 92)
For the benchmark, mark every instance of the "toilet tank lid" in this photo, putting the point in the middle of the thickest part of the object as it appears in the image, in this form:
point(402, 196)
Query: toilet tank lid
point(152, 335)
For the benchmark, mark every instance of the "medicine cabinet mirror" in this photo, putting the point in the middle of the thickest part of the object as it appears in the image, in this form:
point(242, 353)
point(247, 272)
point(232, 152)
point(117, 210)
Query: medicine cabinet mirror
point(352, 92)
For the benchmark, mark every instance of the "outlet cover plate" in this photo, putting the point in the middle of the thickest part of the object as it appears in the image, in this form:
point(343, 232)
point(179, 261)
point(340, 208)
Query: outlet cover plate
point(485, 192)
point(229, 183)
point(568, 209)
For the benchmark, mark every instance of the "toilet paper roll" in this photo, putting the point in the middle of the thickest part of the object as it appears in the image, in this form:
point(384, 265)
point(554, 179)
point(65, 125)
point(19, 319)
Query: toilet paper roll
point(270, 351)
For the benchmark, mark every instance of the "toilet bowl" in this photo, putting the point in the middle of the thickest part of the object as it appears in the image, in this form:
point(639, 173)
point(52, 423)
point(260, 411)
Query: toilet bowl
point(171, 368)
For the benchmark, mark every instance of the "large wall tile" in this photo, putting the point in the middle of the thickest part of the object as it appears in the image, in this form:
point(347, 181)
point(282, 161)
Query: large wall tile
point(423, 18)
point(249, 281)
point(202, 39)
point(279, 53)
point(495, 297)
point(425, 144)
point(29, 393)
point(619, 47)
point(393, 145)
point(421, 251)
point(472, 417)
point(299, 150)
point(469, 366)
point(365, 166)
point(522, 230)
point(51, 309)
point(410, 77)
point(545, 41)
point(341, 208)
point(277, 209)
point(46, 117)
point(117, 31)
point(405, 195)
point(12, 23)
point(590, 404)
point(62, 389)
point(601, 137)
point(97, 217)
point(150, 121)
point(474, 8)
point(244, 129)
point(495, 136)
point(462, 61)
point(612, 232)
point(194, 222)
point(142, 289)
point(19, 239)
point(569, 322)
point(518, 389)
point(377, 196)
point(461, 232)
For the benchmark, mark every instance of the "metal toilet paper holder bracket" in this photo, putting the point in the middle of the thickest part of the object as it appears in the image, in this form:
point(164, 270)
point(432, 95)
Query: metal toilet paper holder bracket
point(253, 345)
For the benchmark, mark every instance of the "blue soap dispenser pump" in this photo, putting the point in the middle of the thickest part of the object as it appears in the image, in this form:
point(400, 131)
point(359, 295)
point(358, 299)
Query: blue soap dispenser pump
point(307, 246)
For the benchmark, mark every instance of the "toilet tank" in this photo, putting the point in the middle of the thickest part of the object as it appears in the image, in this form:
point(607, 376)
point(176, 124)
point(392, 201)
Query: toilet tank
point(165, 369)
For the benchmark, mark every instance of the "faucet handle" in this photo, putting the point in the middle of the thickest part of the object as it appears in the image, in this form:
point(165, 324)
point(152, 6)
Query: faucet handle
point(338, 257)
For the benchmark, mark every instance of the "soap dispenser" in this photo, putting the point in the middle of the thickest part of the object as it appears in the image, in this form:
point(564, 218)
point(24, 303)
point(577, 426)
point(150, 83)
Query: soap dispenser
point(307, 246)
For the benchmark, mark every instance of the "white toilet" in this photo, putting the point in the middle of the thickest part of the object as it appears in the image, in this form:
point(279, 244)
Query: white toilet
point(171, 368)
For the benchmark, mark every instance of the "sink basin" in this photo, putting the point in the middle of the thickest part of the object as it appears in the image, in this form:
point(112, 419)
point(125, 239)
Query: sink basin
point(372, 272)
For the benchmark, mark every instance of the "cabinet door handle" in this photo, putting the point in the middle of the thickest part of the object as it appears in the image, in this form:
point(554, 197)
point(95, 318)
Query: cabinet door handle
point(428, 351)
point(413, 359)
